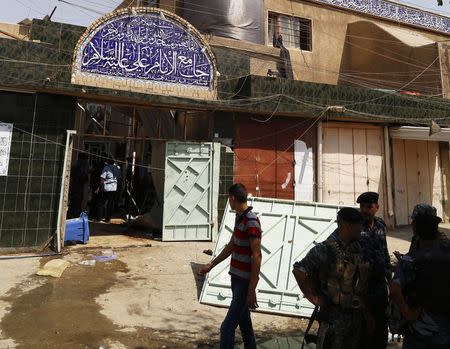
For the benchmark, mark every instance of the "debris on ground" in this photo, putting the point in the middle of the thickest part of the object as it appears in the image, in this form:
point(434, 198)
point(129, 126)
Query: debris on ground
point(90, 262)
point(54, 268)
point(107, 258)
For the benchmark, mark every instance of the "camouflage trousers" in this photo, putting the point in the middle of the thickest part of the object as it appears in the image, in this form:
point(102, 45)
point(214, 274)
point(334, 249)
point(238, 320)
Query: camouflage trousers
point(341, 329)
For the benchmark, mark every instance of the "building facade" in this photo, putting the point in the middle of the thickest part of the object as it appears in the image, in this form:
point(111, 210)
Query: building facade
point(355, 116)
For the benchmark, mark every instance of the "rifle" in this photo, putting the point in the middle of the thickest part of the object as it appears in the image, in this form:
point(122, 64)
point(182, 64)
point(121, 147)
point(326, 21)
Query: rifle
point(310, 338)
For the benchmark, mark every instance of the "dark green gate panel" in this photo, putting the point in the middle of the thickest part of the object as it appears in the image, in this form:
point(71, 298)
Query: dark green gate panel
point(29, 194)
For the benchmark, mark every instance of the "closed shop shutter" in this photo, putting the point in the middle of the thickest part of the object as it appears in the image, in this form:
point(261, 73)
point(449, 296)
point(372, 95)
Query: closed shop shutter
point(417, 177)
point(352, 163)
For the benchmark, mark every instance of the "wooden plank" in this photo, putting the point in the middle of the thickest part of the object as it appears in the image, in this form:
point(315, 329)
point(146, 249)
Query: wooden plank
point(425, 185)
point(444, 152)
point(436, 185)
point(412, 177)
point(350, 125)
point(360, 161)
point(346, 168)
point(330, 165)
point(247, 155)
point(400, 192)
point(375, 166)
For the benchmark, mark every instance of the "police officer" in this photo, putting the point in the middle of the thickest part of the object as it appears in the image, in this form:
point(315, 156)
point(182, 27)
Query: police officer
point(373, 242)
point(334, 277)
point(421, 285)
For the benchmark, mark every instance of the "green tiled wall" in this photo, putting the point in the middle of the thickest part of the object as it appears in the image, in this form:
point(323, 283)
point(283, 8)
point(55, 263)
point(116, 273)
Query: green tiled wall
point(29, 195)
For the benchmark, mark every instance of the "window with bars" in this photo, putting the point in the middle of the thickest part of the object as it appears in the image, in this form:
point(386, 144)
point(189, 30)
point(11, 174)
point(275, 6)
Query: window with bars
point(295, 31)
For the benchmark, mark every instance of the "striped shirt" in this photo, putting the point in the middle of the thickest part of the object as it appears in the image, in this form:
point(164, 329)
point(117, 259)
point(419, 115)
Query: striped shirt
point(247, 226)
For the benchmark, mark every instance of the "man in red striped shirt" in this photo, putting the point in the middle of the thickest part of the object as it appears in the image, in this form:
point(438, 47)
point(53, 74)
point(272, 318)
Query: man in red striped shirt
point(245, 250)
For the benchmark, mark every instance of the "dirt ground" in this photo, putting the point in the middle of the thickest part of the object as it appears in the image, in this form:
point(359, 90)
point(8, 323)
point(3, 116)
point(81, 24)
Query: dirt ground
point(146, 298)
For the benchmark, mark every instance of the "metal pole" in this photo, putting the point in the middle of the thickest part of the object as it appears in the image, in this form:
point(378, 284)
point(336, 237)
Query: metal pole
point(130, 188)
point(62, 191)
point(387, 155)
point(319, 188)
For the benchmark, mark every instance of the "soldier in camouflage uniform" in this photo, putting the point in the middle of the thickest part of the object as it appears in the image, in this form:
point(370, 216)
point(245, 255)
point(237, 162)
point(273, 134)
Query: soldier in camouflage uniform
point(334, 277)
point(373, 242)
point(421, 210)
point(420, 286)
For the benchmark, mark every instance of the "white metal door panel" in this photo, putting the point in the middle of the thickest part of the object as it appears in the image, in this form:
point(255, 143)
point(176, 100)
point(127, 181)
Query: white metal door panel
point(188, 192)
point(290, 230)
point(215, 186)
point(375, 167)
point(330, 165)
point(304, 172)
point(417, 177)
point(346, 169)
point(352, 163)
point(437, 183)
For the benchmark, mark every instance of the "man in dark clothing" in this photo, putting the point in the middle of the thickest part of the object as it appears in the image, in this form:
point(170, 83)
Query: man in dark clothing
point(373, 242)
point(420, 286)
point(245, 251)
point(421, 210)
point(334, 277)
point(96, 199)
point(285, 64)
point(79, 177)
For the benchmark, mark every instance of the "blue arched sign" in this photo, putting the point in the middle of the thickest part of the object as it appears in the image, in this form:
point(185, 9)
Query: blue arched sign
point(145, 50)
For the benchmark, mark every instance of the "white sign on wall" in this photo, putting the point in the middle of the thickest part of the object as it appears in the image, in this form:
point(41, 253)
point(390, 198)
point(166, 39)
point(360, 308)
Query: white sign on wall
point(304, 172)
point(5, 147)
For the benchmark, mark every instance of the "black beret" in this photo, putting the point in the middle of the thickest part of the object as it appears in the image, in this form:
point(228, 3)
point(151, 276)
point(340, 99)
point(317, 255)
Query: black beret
point(368, 197)
point(350, 215)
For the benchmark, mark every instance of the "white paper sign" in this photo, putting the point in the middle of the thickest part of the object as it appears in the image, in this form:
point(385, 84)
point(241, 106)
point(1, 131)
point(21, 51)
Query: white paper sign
point(6, 131)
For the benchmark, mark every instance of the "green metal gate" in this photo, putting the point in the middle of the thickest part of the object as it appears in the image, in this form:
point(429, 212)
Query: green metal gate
point(190, 192)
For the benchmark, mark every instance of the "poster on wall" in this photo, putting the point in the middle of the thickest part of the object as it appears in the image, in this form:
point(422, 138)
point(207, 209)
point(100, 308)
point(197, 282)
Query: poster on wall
point(5, 147)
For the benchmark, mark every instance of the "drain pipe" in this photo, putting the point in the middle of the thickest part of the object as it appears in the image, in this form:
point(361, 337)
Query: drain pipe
point(62, 190)
point(319, 162)
point(387, 156)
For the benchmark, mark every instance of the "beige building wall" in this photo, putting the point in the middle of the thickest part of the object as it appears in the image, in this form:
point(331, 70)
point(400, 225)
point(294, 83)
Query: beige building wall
point(14, 31)
point(444, 60)
point(342, 53)
point(169, 5)
point(329, 34)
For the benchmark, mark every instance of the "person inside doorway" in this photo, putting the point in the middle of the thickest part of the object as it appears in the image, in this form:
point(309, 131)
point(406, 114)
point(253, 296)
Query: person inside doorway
point(79, 179)
point(108, 188)
point(99, 162)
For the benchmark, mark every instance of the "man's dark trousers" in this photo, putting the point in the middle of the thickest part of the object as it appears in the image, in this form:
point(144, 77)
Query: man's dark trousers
point(238, 315)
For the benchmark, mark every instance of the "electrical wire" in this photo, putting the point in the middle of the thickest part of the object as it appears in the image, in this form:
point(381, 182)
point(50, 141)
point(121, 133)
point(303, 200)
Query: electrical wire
point(318, 118)
point(243, 84)
point(401, 89)
point(406, 62)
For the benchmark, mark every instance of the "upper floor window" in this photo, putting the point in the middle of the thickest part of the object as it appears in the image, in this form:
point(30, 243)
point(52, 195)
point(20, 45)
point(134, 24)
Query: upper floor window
point(149, 3)
point(295, 31)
